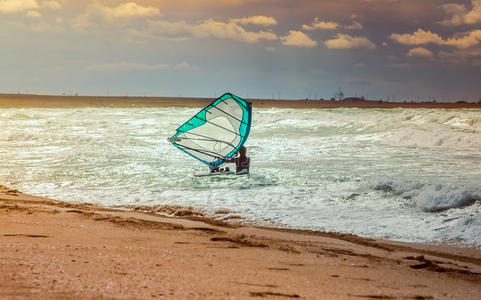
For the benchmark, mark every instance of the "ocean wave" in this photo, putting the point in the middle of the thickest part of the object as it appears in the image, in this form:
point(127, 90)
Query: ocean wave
point(466, 228)
point(438, 137)
point(430, 196)
point(423, 128)
point(18, 137)
point(433, 129)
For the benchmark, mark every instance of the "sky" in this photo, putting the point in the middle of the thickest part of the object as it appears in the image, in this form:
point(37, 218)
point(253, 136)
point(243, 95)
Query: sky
point(381, 49)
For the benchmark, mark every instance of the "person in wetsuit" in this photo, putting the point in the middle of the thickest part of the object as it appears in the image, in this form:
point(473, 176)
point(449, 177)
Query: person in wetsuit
point(242, 162)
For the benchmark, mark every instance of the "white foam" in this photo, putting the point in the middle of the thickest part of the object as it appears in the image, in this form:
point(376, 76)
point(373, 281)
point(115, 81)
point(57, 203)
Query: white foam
point(410, 175)
point(430, 196)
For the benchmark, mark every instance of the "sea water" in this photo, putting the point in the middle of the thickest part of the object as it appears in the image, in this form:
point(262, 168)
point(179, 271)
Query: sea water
point(402, 174)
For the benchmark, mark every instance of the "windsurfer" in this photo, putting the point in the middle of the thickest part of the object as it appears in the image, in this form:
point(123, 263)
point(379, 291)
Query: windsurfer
point(216, 133)
point(242, 162)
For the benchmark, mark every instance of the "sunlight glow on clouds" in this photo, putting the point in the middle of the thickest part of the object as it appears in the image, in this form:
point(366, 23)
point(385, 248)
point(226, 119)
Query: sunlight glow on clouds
point(421, 37)
point(468, 40)
point(355, 24)
point(299, 39)
point(345, 41)
point(33, 14)
point(420, 52)
point(128, 10)
point(54, 5)
point(97, 12)
point(255, 20)
point(317, 24)
point(208, 28)
point(320, 25)
point(461, 15)
point(16, 6)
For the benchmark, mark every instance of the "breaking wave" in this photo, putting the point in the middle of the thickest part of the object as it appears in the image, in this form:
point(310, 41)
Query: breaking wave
point(424, 128)
point(431, 197)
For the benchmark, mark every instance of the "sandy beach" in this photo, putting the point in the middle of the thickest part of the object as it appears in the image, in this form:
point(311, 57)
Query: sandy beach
point(56, 250)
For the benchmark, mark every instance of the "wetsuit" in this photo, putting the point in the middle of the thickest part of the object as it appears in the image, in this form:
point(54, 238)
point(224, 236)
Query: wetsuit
point(241, 163)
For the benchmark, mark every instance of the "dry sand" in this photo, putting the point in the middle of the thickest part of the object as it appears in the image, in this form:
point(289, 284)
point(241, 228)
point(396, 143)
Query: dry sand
point(55, 250)
point(21, 100)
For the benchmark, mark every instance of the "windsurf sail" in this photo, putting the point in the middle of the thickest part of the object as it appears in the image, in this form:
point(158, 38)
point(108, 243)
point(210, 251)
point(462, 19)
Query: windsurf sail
point(217, 131)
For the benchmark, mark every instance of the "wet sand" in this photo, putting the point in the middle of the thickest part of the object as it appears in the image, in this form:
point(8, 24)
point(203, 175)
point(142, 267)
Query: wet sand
point(23, 101)
point(56, 250)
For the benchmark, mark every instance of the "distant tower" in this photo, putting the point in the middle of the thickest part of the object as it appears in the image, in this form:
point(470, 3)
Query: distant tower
point(339, 95)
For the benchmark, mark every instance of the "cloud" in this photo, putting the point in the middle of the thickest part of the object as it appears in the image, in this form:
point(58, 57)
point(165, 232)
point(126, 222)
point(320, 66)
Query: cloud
point(255, 20)
point(467, 40)
point(37, 26)
point(345, 41)
point(320, 25)
point(97, 12)
point(53, 5)
point(461, 55)
point(169, 29)
point(16, 6)
point(299, 39)
point(45, 27)
point(457, 11)
point(208, 29)
point(461, 15)
point(420, 52)
point(33, 14)
point(221, 30)
point(128, 10)
point(467, 44)
point(421, 37)
point(183, 66)
point(355, 24)
point(332, 25)
point(126, 67)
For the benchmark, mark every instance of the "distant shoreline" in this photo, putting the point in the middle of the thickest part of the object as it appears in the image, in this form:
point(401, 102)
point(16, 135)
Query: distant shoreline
point(46, 101)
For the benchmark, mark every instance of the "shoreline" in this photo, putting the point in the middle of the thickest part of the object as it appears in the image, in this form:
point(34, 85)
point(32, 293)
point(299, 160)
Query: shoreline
point(63, 250)
point(47, 101)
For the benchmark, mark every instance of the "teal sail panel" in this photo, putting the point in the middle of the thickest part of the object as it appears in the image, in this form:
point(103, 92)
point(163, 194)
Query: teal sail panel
point(217, 131)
